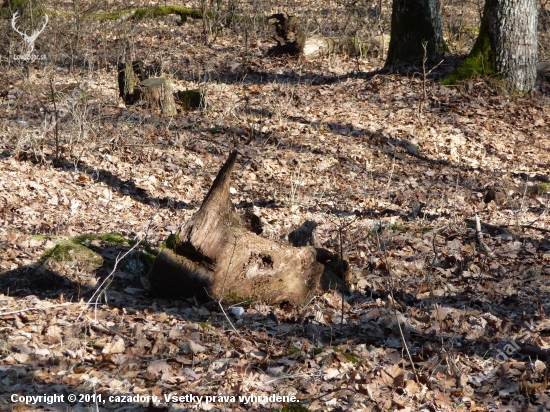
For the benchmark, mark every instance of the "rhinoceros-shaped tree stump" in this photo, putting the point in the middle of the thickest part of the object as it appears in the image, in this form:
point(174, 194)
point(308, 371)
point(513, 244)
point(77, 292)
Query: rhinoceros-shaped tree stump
point(215, 256)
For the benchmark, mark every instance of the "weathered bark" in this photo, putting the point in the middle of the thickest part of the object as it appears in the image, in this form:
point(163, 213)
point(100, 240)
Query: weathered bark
point(157, 93)
point(304, 235)
point(506, 45)
point(290, 38)
point(214, 255)
point(130, 74)
point(412, 23)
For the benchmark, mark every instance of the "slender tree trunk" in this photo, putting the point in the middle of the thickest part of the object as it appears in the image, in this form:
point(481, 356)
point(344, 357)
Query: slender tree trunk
point(506, 45)
point(412, 23)
point(513, 24)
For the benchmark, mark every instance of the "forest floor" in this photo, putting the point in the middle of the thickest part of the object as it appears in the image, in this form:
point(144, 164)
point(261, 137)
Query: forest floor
point(433, 321)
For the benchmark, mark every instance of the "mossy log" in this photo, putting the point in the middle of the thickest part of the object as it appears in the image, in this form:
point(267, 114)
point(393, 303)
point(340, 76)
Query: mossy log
point(215, 256)
point(157, 94)
point(191, 99)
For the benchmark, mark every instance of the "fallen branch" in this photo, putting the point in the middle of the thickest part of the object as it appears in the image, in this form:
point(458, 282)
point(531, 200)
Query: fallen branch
point(479, 237)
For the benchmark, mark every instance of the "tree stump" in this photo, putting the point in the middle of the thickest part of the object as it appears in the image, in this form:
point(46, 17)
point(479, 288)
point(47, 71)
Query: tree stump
point(304, 235)
point(215, 256)
point(130, 74)
point(157, 94)
point(290, 38)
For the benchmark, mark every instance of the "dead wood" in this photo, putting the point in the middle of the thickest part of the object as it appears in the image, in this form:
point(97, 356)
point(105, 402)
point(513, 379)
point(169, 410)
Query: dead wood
point(157, 94)
point(215, 255)
point(290, 38)
point(130, 74)
point(303, 235)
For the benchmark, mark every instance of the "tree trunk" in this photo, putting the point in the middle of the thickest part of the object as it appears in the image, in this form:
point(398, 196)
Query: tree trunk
point(157, 93)
point(215, 256)
point(412, 23)
point(506, 45)
point(130, 74)
point(290, 38)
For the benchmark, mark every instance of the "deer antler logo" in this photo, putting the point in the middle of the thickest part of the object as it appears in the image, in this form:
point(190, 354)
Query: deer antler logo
point(29, 40)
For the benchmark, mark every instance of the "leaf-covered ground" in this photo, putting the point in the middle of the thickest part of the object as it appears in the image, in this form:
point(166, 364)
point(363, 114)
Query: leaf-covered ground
point(433, 319)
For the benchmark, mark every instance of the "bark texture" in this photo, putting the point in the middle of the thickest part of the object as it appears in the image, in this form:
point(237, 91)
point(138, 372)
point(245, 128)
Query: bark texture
point(290, 38)
point(513, 25)
point(412, 23)
point(157, 93)
point(506, 45)
point(215, 256)
point(130, 74)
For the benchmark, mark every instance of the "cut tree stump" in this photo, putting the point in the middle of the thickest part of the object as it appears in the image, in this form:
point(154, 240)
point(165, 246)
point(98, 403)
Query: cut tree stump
point(157, 94)
point(215, 256)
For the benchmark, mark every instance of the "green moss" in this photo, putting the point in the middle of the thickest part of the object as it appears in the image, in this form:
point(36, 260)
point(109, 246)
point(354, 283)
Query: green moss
point(399, 227)
point(170, 242)
point(68, 251)
point(204, 325)
point(233, 298)
point(539, 189)
point(351, 358)
point(292, 351)
point(190, 99)
point(293, 407)
point(472, 30)
point(315, 351)
point(480, 62)
point(57, 96)
point(152, 253)
point(148, 260)
point(112, 15)
point(139, 263)
point(116, 238)
point(40, 237)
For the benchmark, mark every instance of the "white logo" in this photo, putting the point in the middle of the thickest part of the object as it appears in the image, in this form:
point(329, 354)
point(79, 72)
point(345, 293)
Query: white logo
point(29, 40)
